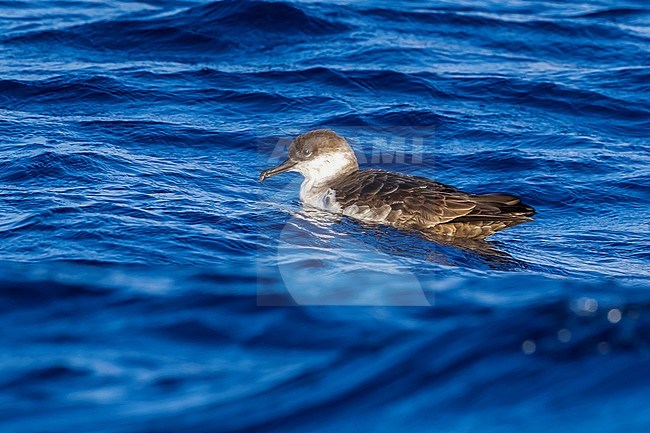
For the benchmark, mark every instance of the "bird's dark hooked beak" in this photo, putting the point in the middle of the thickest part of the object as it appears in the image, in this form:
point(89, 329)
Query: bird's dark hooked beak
point(284, 167)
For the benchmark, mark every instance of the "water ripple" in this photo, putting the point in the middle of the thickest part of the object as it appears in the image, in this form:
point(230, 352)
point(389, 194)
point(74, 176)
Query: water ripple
point(149, 282)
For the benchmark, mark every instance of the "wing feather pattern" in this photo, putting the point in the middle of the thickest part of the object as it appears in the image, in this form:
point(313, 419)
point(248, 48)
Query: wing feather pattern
point(419, 203)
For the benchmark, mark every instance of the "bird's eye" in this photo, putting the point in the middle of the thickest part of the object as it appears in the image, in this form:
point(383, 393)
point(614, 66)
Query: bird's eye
point(306, 152)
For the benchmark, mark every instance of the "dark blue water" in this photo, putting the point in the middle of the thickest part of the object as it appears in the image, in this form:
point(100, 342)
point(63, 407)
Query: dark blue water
point(150, 284)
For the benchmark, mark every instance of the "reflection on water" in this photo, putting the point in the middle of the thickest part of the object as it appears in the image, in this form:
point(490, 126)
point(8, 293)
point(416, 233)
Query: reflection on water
point(320, 266)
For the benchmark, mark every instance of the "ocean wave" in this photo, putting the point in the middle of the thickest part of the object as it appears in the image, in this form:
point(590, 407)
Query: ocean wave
point(82, 165)
point(613, 13)
point(149, 282)
point(213, 28)
point(79, 89)
point(552, 27)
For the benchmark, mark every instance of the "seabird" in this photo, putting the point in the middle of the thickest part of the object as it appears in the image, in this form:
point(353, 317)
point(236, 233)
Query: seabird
point(334, 182)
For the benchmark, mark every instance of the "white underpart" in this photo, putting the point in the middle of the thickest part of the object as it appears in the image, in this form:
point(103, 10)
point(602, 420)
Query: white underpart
point(366, 213)
point(318, 173)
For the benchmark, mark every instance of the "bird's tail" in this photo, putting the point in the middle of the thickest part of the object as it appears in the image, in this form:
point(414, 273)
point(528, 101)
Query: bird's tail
point(499, 207)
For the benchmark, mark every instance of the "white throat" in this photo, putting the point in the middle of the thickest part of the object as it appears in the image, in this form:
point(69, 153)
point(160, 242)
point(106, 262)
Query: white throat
point(320, 172)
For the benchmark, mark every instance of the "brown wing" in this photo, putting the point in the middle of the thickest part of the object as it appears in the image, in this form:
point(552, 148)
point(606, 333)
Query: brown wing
point(402, 200)
point(421, 204)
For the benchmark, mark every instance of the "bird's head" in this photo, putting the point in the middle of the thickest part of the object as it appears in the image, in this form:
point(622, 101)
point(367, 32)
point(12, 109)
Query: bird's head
point(319, 156)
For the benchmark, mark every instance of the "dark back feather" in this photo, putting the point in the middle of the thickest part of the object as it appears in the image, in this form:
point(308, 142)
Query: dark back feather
point(422, 204)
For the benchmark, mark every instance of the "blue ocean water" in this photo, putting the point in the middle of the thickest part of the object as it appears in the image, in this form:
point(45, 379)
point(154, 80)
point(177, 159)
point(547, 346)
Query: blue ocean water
point(150, 284)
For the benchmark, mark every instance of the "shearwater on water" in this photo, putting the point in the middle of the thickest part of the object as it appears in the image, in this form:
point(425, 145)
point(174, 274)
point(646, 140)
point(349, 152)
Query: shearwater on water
point(334, 182)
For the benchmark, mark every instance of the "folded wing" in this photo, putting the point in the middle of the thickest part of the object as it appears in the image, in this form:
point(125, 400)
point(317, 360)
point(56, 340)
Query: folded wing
point(422, 204)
